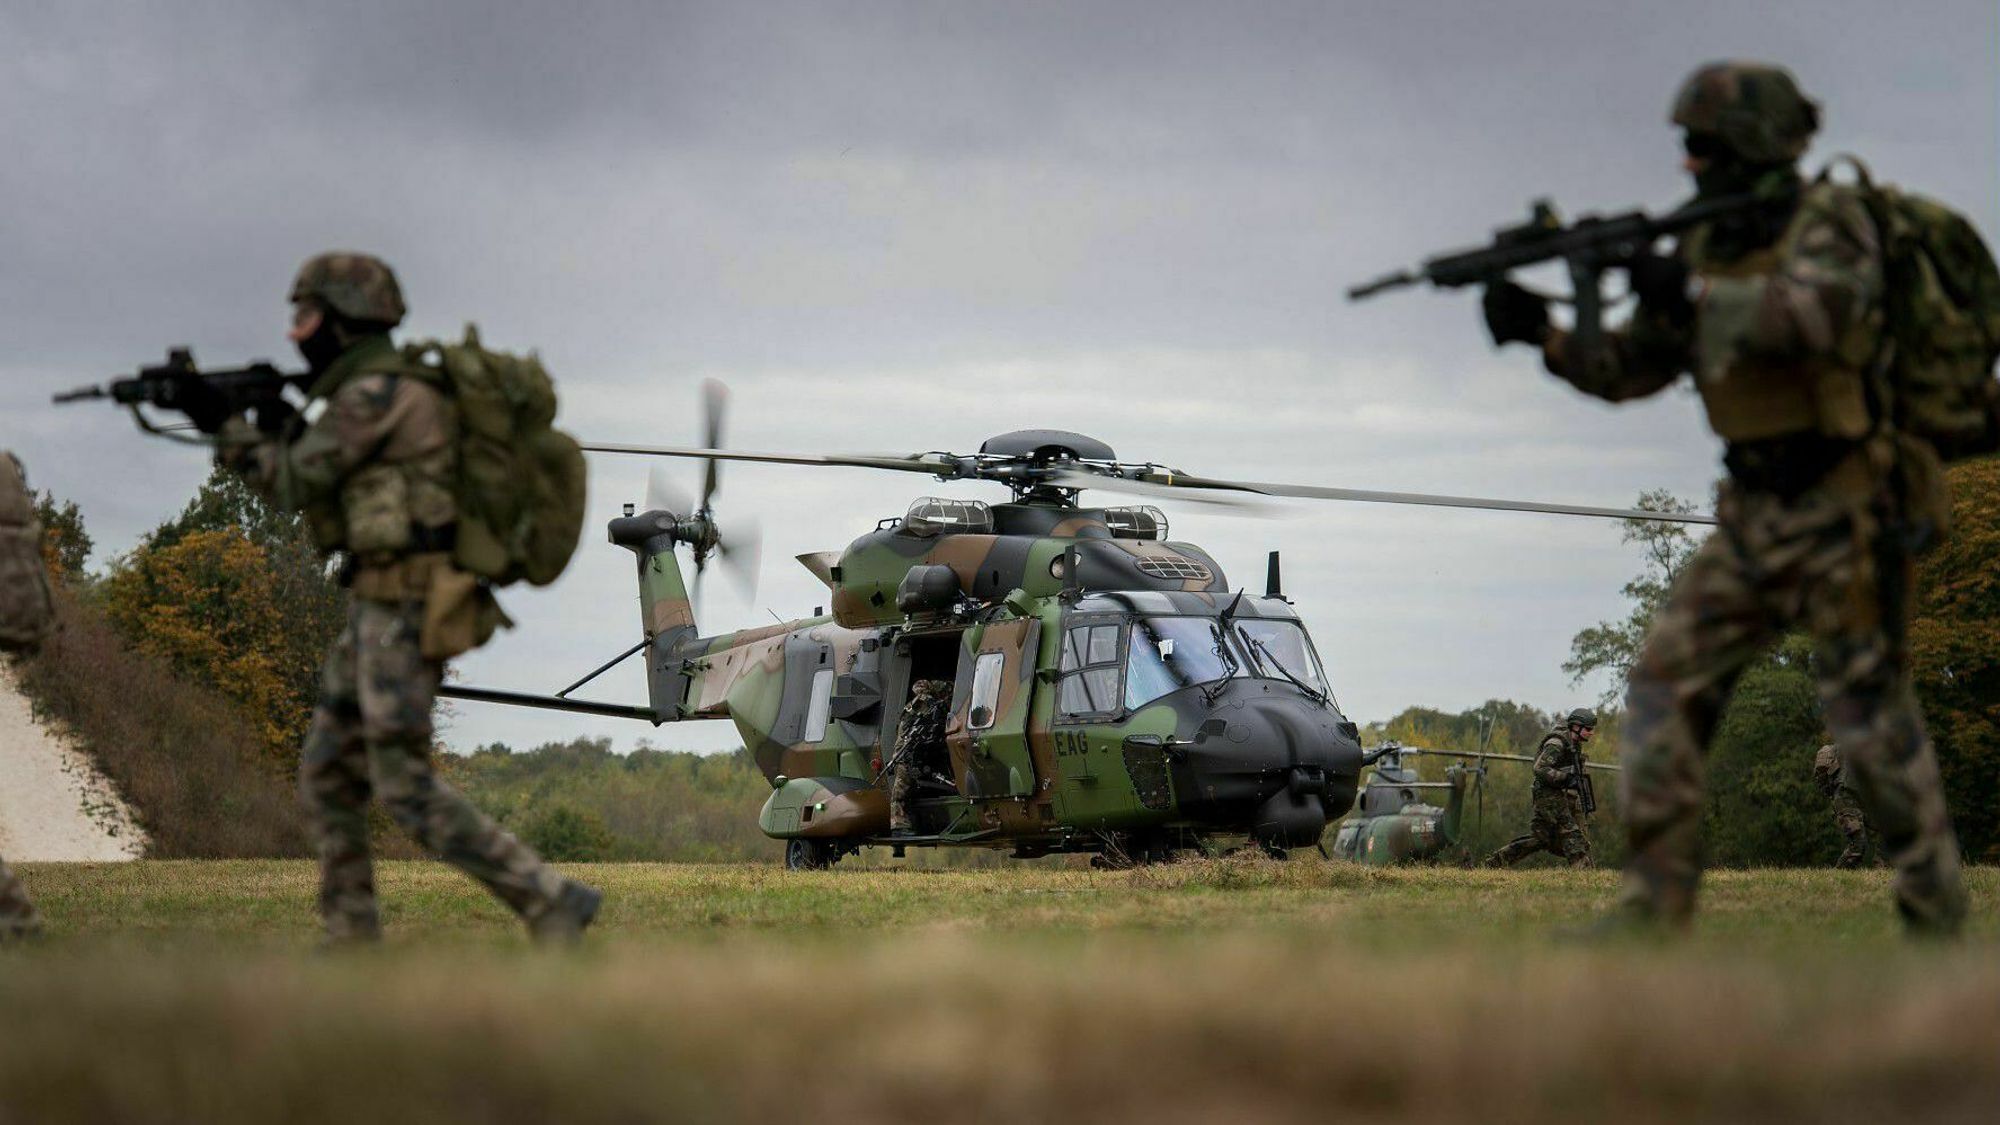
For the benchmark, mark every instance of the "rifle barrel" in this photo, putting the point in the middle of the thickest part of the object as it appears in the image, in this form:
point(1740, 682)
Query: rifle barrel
point(1382, 284)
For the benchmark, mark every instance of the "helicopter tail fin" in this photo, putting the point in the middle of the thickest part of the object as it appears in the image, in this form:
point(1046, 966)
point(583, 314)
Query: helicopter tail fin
point(665, 611)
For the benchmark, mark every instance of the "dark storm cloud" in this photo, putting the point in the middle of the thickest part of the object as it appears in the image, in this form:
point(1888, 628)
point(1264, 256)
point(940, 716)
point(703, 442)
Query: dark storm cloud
point(913, 225)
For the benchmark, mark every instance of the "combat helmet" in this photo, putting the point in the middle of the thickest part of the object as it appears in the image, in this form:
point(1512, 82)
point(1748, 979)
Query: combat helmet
point(1583, 717)
point(357, 286)
point(1756, 109)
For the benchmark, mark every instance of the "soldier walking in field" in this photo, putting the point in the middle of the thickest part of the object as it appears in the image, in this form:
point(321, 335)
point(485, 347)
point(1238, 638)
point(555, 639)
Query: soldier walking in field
point(1830, 774)
point(1779, 312)
point(372, 465)
point(920, 728)
point(1557, 824)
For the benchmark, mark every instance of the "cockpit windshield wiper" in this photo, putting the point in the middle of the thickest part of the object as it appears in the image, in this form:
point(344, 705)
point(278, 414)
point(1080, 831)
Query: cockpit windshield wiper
point(1210, 691)
point(1263, 654)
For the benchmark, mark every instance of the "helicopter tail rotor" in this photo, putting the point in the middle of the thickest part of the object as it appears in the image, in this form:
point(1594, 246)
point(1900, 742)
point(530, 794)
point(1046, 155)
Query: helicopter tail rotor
point(741, 551)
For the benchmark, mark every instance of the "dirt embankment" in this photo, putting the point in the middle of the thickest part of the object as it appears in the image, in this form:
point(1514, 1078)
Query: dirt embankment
point(54, 802)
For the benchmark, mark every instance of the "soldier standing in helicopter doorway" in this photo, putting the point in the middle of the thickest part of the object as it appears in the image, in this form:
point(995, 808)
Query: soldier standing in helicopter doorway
point(1557, 825)
point(921, 727)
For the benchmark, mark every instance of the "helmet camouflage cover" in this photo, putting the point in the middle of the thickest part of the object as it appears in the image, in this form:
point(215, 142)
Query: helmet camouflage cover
point(357, 286)
point(1755, 108)
point(1583, 717)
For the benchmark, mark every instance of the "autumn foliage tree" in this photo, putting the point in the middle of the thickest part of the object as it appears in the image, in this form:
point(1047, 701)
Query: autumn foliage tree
point(232, 593)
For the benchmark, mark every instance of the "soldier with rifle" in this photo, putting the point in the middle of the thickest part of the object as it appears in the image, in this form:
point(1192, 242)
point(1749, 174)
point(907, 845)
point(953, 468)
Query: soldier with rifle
point(373, 464)
point(920, 728)
point(1562, 797)
point(1841, 337)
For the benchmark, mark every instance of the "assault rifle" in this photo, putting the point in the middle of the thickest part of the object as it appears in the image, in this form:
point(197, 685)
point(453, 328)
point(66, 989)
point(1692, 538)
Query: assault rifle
point(1586, 796)
point(1590, 245)
point(208, 398)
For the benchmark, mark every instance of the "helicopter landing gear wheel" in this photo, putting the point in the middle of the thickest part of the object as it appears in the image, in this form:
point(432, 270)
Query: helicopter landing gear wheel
point(810, 855)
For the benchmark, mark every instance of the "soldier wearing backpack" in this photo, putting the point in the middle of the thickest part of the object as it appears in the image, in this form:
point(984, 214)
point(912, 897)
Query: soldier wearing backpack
point(1836, 350)
point(27, 613)
point(374, 464)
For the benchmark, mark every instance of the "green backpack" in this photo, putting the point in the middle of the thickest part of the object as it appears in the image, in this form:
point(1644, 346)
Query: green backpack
point(520, 480)
point(1942, 299)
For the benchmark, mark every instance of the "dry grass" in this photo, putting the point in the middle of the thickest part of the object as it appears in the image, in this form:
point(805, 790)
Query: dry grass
point(1237, 988)
point(178, 752)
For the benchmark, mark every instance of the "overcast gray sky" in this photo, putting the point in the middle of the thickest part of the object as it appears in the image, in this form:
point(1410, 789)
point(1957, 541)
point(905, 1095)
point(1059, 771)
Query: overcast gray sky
point(912, 226)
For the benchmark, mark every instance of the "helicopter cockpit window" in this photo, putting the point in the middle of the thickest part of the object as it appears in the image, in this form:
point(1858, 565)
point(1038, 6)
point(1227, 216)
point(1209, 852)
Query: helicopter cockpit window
point(1281, 650)
point(1170, 653)
point(819, 706)
point(1089, 684)
point(985, 689)
point(937, 515)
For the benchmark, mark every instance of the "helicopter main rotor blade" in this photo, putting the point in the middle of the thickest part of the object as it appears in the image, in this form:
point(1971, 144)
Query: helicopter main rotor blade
point(893, 463)
point(1178, 487)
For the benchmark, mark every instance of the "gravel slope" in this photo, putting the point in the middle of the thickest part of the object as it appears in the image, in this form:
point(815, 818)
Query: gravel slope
point(54, 804)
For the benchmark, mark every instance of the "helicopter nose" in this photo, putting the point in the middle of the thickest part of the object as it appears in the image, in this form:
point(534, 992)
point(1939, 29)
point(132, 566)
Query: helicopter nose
point(1283, 766)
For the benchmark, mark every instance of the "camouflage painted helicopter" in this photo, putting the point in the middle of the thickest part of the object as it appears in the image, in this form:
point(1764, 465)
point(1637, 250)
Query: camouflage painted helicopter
point(1110, 693)
point(1392, 822)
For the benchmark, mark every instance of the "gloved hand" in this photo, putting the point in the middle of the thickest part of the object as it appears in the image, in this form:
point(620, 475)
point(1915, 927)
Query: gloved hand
point(1660, 281)
point(1514, 314)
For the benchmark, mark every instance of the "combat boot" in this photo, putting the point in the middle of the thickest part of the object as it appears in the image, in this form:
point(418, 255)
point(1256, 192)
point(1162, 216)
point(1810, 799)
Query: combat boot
point(563, 923)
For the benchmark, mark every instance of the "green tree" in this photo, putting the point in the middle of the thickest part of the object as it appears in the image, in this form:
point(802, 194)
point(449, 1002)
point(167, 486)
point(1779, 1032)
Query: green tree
point(65, 543)
point(1613, 646)
point(232, 592)
point(1955, 651)
point(566, 834)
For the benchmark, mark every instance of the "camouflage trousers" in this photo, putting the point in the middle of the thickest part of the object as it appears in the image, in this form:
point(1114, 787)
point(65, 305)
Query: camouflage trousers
point(1854, 828)
point(1553, 828)
point(1820, 563)
point(902, 779)
point(371, 736)
point(18, 917)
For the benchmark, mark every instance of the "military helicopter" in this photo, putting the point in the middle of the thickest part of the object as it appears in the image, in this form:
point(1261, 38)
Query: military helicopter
point(1111, 693)
point(1392, 822)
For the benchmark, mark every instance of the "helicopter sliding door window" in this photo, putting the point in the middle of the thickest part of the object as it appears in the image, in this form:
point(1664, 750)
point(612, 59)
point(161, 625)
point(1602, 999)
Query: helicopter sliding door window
point(985, 689)
point(818, 707)
point(1090, 670)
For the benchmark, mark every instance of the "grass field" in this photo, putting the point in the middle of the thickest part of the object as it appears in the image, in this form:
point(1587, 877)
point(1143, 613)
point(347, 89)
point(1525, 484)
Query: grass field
point(1239, 989)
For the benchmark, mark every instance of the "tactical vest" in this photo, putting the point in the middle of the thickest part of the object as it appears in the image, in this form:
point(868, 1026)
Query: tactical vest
point(1750, 398)
point(400, 502)
point(27, 612)
point(1567, 757)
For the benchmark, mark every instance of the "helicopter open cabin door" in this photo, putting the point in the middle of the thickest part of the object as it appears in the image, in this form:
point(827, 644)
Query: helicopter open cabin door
point(988, 732)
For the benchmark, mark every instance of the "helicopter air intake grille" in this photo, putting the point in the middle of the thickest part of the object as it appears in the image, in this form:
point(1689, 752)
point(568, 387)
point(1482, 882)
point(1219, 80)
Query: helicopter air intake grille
point(1174, 566)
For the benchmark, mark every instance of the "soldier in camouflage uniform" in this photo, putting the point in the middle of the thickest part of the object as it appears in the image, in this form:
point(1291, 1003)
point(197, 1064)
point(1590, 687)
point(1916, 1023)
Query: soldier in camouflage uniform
point(921, 727)
point(371, 465)
point(1830, 773)
point(25, 617)
point(1778, 313)
point(18, 917)
point(1557, 824)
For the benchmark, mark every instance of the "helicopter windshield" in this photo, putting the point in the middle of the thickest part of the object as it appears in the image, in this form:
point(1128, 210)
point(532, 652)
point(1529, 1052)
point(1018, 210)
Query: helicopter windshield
point(1170, 653)
point(1281, 651)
